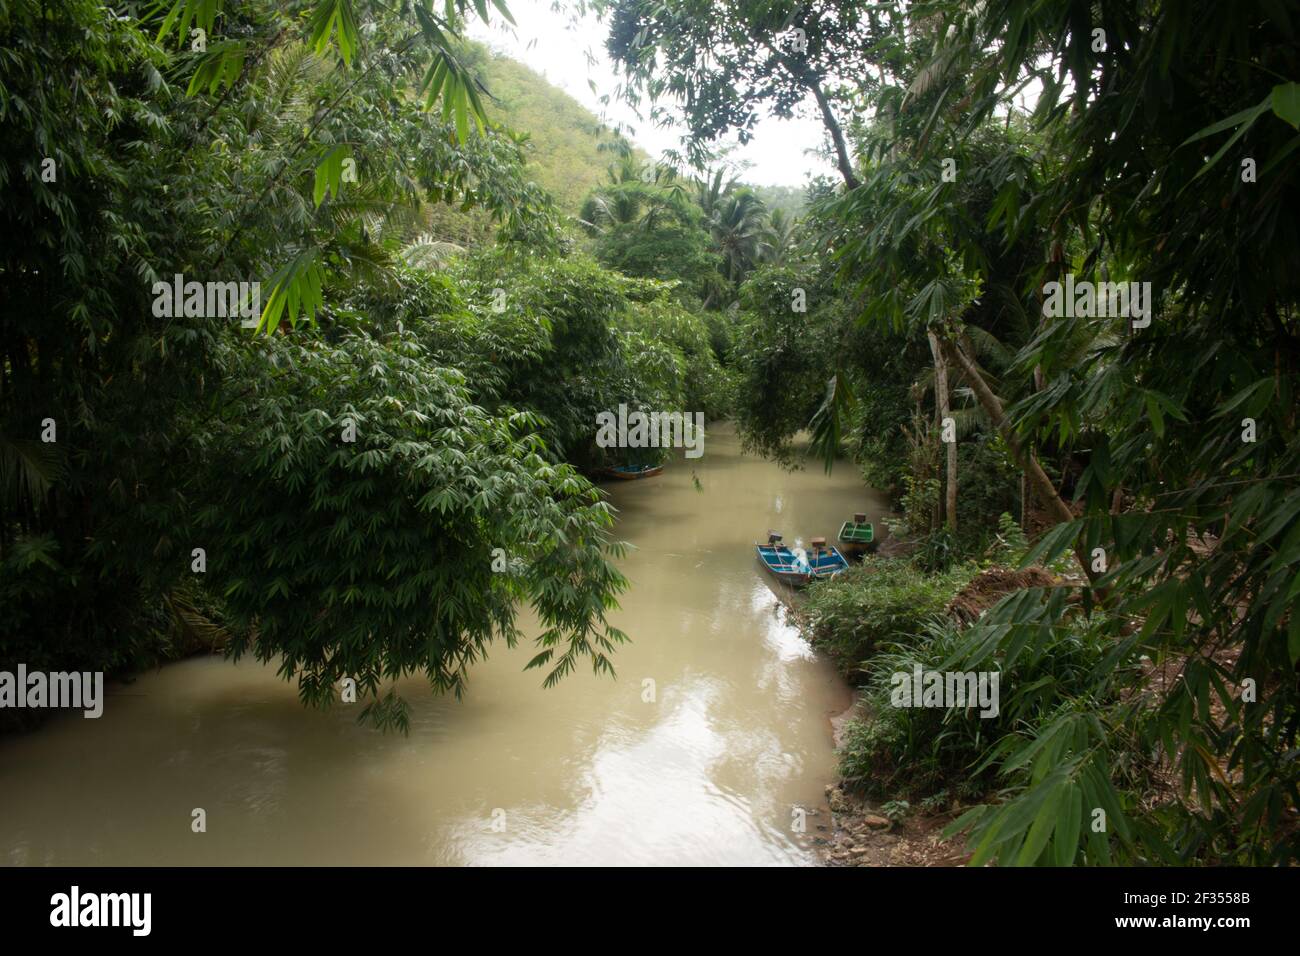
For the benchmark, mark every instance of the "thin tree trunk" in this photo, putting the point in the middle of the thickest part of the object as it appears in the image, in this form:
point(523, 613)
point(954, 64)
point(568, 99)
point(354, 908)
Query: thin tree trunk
point(942, 412)
point(837, 136)
point(805, 76)
point(1024, 503)
point(1039, 483)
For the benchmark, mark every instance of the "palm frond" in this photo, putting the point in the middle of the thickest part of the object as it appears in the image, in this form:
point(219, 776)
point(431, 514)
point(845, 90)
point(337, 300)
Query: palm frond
point(428, 253)
point(28, 470)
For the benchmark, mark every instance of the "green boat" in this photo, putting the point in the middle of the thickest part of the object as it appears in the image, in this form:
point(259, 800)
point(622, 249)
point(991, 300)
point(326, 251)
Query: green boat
point(858, 536)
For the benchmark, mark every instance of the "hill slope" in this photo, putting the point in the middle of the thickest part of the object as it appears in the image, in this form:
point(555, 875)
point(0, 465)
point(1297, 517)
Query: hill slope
point(565, 158)
point(570, 148)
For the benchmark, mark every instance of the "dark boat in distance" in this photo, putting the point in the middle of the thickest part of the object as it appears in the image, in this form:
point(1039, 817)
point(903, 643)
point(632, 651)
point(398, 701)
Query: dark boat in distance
point(631, 472)
point(858, 536)
point(797, 568)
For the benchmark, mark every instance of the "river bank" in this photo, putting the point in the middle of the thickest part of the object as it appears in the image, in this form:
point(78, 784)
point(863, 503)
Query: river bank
point(874, 620)
point(862, 833)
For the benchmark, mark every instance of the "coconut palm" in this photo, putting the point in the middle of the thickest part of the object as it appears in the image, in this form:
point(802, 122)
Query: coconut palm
point(428, 252)
point(611, 207)
point(712, 190)
point(739, 230)
point(781, 237)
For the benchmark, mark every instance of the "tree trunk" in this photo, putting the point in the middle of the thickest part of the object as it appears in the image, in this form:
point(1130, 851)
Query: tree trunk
point(1039, 483)
point(1024, 503)
point(809, 81)
point(942, 411)
point(837, 136)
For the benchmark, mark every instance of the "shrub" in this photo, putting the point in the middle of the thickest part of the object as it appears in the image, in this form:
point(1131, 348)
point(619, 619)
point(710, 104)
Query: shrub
point(882, 602)
point(917, 752)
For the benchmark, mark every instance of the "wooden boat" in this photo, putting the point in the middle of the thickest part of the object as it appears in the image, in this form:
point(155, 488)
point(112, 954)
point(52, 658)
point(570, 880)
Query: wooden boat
point(632, 472)
point(857, 536)
point(796, 567)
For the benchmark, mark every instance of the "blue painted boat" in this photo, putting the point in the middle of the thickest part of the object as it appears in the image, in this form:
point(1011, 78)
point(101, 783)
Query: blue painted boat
point(797, 567)
point(632, 472)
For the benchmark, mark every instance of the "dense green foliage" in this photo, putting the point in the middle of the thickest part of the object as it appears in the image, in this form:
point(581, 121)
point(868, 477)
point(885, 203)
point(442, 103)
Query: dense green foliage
point(781, 354)
point(436, 337)
point(918, 752)
point(642, 229)
point(879, 604)
point(331, 490)
point(1159, 149)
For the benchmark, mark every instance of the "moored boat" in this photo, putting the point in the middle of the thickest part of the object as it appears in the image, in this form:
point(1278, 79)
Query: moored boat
point(632, 472)
point(798, 567)
point(857, 536)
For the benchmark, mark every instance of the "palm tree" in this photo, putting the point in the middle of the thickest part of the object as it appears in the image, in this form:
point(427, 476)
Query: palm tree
point(611, 207)
point(780, 237)
point(739, 230)
point(711, 191)
point(429, 252)
point(626, 170)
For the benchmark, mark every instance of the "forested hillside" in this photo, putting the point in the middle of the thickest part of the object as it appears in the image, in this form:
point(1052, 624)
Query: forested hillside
point(569, 148)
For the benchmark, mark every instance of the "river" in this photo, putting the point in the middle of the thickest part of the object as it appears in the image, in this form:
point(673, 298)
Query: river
point(709, 765)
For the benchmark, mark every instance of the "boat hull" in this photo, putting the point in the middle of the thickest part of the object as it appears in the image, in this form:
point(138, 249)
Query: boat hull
point(780, 562)
point(856, 539)
point(627, 474)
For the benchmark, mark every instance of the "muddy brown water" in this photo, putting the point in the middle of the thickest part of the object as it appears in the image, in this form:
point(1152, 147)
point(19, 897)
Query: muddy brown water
point(711, 771)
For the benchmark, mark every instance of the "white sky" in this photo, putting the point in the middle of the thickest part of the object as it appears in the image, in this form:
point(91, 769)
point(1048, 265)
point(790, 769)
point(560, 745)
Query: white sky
point(776, 154)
